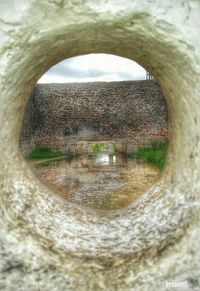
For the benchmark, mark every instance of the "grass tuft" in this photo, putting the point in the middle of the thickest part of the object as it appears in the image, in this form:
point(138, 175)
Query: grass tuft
point(156, 153)
point(42, 152)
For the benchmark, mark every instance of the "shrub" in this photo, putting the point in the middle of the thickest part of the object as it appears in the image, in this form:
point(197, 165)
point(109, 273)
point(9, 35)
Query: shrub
point(156, 153)
point(97, 147)
point(42, 152)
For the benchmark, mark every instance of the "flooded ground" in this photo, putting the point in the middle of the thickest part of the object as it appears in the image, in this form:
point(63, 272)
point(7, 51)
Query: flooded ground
point(103, 181)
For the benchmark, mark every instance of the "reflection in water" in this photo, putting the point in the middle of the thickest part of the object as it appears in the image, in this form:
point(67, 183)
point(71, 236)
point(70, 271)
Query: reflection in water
point(101, 181)
point(102, 159)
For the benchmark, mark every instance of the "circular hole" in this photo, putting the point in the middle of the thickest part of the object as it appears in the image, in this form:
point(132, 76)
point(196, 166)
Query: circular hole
point(143, 228)
point(96, 131)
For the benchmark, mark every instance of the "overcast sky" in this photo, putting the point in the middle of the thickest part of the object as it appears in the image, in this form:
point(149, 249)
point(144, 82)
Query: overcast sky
point(92, 68)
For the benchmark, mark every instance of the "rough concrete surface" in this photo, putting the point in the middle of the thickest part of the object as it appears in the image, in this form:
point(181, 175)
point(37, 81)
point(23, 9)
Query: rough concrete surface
point(48, 244)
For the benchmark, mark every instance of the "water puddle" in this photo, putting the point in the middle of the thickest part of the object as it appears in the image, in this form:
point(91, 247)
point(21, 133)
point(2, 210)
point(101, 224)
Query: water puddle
point(103, 181)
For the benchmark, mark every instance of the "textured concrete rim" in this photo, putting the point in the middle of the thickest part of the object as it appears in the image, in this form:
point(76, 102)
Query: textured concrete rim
point(39, 43)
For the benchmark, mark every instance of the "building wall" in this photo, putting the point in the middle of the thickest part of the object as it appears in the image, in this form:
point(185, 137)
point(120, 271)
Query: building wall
point(60, 115)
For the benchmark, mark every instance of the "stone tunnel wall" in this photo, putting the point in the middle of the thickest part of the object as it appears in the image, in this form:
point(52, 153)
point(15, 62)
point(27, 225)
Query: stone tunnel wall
point(46, 244)
point(60, 115)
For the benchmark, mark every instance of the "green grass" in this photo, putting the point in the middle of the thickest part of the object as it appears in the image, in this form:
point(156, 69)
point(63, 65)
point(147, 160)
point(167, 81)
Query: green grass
point(156, 153)
point(97, 147)
point(42, 152)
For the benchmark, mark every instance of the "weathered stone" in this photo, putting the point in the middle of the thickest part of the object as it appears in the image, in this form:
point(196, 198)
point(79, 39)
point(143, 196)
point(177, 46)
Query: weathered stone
point(62, 246)
point(58, 115)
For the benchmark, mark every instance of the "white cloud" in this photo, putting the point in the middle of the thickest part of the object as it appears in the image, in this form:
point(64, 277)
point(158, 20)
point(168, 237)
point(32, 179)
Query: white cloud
point(92, 68)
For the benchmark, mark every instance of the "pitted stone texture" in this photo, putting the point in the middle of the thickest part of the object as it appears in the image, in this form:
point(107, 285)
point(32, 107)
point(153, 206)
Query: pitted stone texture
point(140, 247)
point(58, 115)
